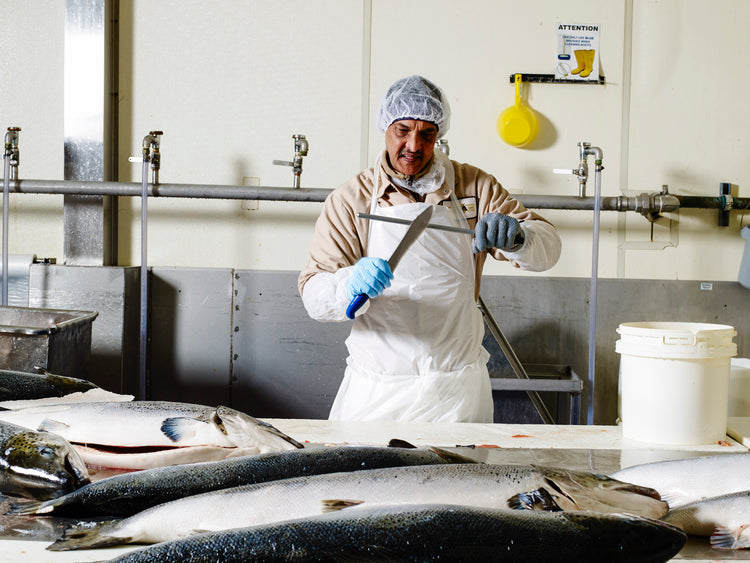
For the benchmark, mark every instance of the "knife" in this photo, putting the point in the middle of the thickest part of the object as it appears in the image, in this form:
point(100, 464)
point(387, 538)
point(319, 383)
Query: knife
point(412, 233)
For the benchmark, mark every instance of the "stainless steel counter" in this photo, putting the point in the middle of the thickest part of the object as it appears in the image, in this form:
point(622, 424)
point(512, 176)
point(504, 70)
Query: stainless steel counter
point(590, 448)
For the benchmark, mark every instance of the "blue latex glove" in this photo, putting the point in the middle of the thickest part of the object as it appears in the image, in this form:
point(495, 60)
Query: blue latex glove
point(495, 230)
point(370, 277)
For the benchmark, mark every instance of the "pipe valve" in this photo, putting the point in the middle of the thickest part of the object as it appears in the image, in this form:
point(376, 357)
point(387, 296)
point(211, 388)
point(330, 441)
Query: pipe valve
point(152, 154)
point(584, 150)
point(651, 206)
point(11, 151)
point(300, 150)
point(442, 146)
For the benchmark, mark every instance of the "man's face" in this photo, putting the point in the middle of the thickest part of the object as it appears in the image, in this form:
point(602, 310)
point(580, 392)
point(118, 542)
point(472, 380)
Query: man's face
point(410, 144)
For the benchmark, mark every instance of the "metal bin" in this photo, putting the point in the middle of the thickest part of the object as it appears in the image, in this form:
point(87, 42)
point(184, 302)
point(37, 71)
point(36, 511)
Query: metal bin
point(56, 341)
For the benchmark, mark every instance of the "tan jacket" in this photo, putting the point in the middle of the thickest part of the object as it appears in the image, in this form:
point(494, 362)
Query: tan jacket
point(340, 238)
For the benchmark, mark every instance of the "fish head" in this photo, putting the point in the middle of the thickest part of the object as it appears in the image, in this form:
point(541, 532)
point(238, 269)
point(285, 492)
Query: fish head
point(600, 493)
point(41, 465)
point(247, 432)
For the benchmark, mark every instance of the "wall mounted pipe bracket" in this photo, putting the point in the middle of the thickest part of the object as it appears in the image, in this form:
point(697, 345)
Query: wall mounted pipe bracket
point(725, 193)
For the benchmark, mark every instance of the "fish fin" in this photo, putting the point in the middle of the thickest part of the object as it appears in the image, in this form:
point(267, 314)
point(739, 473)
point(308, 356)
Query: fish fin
point(672, 498)
point(177, 427)
point(334, 505)
point(452, 457)
point(540, 499)
point(89, 536)
point(399, 443)
point(725, 538)
point(52, 426)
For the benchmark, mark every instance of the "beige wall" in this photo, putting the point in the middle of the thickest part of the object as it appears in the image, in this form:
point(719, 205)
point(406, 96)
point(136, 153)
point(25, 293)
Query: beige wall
point(230, 82)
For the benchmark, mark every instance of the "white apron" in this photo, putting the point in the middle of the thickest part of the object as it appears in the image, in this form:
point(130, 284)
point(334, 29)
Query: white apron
point(416, 354)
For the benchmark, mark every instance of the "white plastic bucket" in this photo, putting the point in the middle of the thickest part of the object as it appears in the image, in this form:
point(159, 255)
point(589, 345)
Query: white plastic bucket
point(674, 381)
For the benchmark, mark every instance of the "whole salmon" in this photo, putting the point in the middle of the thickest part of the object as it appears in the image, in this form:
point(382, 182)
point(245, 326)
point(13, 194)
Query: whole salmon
point(489, 486)
point(126, 494)
point(114, 434)
point(687, 480)
point(430, 533)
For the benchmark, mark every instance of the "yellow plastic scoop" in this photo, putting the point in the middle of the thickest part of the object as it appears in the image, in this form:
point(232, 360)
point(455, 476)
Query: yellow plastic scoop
point(518, 124)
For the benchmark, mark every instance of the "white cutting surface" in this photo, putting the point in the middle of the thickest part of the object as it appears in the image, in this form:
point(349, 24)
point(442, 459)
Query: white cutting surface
point(501, 435)
point(445, 435)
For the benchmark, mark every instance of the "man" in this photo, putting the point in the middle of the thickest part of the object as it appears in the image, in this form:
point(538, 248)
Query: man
point(415, 349)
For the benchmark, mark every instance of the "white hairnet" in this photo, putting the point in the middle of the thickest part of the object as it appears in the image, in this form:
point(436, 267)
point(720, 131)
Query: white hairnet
point(414, 97)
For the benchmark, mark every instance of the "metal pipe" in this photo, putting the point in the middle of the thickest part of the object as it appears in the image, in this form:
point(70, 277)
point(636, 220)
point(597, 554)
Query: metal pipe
point(143, 333)
point(6, 199)
point(10, 171)
point(593, 293)
point(188, 191)
point(318, 195)
point(151, 155)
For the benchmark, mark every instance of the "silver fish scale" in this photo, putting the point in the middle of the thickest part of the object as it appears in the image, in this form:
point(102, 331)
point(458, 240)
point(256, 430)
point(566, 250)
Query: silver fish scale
point(475, 484)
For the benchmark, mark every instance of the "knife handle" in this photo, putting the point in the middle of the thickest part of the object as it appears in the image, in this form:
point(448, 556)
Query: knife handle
point(356, 305)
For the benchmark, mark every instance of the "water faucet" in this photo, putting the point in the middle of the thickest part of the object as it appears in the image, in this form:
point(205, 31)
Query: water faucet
point(12, 152)
point(300, 150)
point(151, 153)
point(584, 150)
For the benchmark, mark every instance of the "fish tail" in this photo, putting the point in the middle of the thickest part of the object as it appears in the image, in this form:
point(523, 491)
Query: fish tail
point(25, 506)
point(88, 537)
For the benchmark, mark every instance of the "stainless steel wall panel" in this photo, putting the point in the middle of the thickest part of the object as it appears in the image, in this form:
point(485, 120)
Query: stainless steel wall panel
point(190, 335)
point(285, 363)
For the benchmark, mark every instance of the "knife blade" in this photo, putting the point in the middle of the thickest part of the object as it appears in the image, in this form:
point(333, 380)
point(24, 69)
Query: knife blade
point(412, 233)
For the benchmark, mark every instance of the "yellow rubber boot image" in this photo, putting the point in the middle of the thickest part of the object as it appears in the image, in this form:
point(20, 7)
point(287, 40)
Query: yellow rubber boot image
point(588, 59)
point(580, 61)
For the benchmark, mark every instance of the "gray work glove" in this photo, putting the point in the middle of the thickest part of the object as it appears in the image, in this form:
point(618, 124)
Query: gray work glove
point(495, 230)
